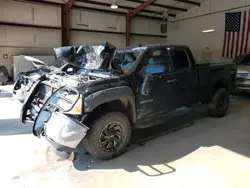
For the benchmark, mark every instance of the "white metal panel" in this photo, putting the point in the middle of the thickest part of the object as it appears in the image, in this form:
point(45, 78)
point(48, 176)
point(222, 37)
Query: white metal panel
point(29, 37)
point(146, 26)
point(144, 40)
point(19, 36)
point(18, 12)
point(12, 51)
point(45, 58)
point(47, 15)
point(20, 64)
point(92, 20)
point(47, 37)
point(3, 40)
point(30, 13)
point(83, 37)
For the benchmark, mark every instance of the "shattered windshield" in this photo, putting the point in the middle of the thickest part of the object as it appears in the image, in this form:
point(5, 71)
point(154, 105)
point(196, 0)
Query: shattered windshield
point(84, 57)
point(56, 64)
point(89, 57)
point(128, 57)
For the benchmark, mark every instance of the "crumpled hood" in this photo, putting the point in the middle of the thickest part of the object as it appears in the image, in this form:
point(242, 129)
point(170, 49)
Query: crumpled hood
point(91, 56)
point(76, 80)
point(40, 72)
point(36, 62)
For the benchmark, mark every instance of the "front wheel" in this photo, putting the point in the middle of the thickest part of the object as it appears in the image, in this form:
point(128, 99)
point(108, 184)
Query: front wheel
point(219, 105)
point(108, 136)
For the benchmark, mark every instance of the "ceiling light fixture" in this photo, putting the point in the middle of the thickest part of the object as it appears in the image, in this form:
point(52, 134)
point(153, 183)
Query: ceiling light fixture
point(208, 31)
point(114, 5)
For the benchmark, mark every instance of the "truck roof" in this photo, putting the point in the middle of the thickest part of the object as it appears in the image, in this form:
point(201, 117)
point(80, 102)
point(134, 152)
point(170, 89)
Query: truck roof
point(165, 45)
point(154, 46)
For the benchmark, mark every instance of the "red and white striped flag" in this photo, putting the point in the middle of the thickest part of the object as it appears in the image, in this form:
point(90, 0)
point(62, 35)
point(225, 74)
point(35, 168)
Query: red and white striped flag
point(236, 36)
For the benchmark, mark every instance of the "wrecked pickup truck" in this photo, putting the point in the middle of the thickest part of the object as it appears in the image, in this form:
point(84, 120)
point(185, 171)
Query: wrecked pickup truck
point(70, 60)
point(136, 87)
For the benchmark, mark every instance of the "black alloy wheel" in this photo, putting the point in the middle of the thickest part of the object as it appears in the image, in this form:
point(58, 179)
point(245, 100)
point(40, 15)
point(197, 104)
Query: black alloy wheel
point(108, 135)
point(111, 136)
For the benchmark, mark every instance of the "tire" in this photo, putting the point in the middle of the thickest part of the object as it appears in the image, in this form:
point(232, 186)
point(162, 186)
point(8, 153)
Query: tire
point(3, 75)
point(219, 105)
point(95, 141)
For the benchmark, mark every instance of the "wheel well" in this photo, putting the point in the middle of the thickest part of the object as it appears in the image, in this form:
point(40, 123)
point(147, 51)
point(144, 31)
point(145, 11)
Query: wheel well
point(219, 85)
point(119, 105)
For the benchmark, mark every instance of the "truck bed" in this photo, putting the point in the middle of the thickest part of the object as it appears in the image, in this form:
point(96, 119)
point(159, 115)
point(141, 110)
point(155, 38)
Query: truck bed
point(213, 74)
point(213, 64)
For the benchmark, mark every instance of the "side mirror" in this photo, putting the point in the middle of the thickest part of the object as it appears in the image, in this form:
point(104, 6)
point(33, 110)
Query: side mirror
point(147, 73)
point(146, 85)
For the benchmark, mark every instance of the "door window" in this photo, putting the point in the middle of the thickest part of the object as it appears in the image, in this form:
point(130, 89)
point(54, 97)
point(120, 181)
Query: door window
point(180, 59)
point(157, 61)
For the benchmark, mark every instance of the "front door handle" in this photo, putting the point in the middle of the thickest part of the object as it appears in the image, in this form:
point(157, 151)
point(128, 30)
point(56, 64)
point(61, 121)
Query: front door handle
point(172, 81)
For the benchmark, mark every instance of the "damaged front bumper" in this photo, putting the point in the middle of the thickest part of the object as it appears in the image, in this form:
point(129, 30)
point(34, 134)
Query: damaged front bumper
point(64, 133)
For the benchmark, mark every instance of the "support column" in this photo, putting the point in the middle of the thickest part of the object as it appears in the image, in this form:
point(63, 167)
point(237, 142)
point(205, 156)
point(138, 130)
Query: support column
point(128, 30)
point(129, 16)
point(66, 22)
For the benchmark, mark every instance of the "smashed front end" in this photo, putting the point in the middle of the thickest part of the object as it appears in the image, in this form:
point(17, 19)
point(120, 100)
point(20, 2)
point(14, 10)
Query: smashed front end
point(23, 85)
point(55, 108)
point(76, 59)
point(57, 117)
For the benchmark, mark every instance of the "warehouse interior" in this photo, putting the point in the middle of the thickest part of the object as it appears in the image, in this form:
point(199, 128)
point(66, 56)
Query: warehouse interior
point(190, 149)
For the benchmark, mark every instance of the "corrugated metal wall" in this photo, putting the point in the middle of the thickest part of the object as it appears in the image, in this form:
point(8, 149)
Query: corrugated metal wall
point(34, 29)
point(29, 39)
point(107, 22)
point(11, 51)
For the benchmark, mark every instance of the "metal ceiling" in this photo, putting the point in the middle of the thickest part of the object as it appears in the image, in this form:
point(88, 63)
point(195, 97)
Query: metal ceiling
point(154, 10)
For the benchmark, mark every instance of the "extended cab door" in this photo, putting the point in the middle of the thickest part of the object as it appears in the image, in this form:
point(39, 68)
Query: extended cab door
point(185, 72)
point(163, 93)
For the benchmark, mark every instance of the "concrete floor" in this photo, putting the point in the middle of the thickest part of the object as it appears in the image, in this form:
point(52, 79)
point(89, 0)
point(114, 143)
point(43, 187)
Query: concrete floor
point(208, 153)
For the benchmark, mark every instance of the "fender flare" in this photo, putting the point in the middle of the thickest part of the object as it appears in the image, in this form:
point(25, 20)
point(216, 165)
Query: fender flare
point(108, 95)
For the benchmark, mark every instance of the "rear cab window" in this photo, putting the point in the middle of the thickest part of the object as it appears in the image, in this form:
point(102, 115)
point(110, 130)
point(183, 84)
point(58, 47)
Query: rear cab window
point(180, 59)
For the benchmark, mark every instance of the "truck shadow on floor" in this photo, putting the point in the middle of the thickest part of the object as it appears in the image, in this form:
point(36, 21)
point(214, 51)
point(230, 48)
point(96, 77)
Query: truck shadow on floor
point(157, 146)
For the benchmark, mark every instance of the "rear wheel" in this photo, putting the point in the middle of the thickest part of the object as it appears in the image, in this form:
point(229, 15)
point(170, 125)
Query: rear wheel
point(108, 136)
point(219, 105)
point(3, 75)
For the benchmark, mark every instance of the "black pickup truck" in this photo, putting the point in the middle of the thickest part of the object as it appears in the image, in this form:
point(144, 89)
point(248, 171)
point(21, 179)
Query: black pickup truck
point(137, 87)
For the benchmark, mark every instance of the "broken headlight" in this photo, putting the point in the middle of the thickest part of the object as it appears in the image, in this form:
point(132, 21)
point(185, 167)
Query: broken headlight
point(77, 108)
point(69, 101)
